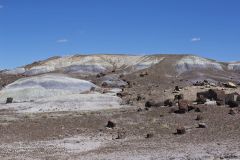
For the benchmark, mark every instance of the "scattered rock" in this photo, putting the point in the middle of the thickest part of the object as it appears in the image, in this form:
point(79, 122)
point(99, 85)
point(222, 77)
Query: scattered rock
point(213, 85)
point(232, 111)
point(92, 89)
point(177, 88)
point(149, 135)
point(127, 102)
point(191, 107)
point(152, 103)
point(104, 84)
point(168, 102)
point(233, 104)
point(179, 97)
point(143, 74)
point(197, 109)
point(198, 83)
point(122, 94)
point(121, 76)
point(202, 83)
point(146, 108)
point(111, 124)
point(9, 100)
point(181, 130)
point(99, 75)
point(139, 98)
point(202, 125)
point(121, 134)
point(233, 99)
point(129, 84)
point(201, 99)
point(199, 118)
point(161, 115)
point(183, 106)
point(139, 109)
point(173, 110)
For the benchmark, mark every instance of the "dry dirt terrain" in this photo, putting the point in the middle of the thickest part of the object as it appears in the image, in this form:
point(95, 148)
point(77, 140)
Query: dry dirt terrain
point(114, 107)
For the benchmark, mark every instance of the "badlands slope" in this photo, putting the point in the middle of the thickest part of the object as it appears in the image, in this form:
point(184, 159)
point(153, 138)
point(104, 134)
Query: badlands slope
point(93, 64)
point(56, 92)
point(60, 79)
point(87, 64)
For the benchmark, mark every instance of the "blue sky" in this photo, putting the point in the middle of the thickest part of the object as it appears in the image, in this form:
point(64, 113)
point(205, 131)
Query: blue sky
point(37, 29)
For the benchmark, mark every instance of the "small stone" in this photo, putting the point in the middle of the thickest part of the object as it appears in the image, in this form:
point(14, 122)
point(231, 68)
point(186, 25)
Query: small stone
point(232, 112)
point(139, 98)
point(202, 125)
point(168, 102)
point(100, 75)
point(197, 109)
point(143, 74)
point(139, 109)
point(121, 135)
point(153, 103)
point(161, 115)
point(104, 84)
point(111, 124)
point(183, 106)
point(149, 135)
point(181, 130)
point(199, 117)
point(179, 97)
point(173, 110)
point(9, 100)
point(122, 94)
point(177, 88)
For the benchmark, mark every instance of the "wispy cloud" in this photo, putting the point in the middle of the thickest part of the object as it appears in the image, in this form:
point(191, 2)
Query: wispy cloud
point(195, 39)
point(1, 6)
point(63, 40)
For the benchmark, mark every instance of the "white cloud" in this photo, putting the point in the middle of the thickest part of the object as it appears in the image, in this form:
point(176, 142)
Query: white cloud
point(1, 6)
point(195, 39)
point(62, 40)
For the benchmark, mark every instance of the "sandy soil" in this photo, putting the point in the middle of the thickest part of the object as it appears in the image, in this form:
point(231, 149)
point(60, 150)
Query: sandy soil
point(83, 135)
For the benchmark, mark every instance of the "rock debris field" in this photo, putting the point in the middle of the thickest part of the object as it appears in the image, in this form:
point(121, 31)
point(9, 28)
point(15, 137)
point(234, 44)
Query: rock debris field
point(176, 107)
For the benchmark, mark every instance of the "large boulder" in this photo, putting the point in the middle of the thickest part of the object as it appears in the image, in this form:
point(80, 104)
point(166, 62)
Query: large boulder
point(183, 106)
point(233, 104)
point(230, 85)
point(217, 95)
point(212, 94)
point(232, 99)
